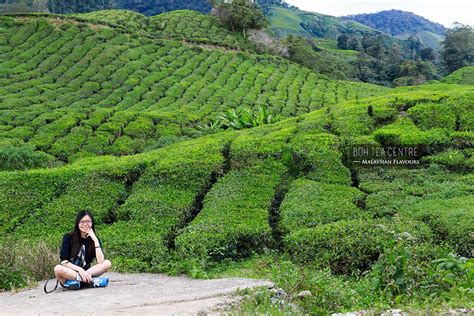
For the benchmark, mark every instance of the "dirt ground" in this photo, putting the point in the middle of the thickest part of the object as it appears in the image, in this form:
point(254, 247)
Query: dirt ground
point(130, 294)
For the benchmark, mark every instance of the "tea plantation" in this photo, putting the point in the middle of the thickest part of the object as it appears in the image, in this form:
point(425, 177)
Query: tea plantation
point(114, 115)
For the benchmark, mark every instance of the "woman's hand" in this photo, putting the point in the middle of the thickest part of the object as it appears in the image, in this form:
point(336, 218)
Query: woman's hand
point(85, 276)
point(91, 234)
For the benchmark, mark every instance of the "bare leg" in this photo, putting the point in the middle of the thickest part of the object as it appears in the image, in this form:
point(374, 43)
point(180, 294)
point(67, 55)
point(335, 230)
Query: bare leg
point(100, 268)
point(63, 274)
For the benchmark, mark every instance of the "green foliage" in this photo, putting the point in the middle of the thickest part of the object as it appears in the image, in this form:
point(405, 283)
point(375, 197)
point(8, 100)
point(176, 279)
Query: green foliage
point(428, 115)
point(243, 118)
point(160, 202)
point(240, 15)
point(450, 273)
point(456, 160)
point(234, 220)
point(318, 157)
point(405, 133)
point(195, 27)
point(23, 156)
point(458, 47)
point(348, 246)
point(21, 194)
point(463, 75)
point(78, 87)
point(128, 19)
point(265, 142)
point(392, 274)
point(23, 262)
point(93, 192)
point(397, 22)
point(316, 59)
point(309, 204)
point(406, 271)
point(93, 86)
point(451, 221)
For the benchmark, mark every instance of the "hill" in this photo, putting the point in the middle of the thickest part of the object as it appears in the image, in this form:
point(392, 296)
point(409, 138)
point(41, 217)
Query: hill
point(147, 7)
point(13, 6)
point(70, 88)
point(427, 39)
point(114, 112)
point(286, 21)
point(397, 22)
point(463, 76)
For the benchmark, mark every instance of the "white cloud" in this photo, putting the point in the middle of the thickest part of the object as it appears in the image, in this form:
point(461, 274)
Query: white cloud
point(444, 12)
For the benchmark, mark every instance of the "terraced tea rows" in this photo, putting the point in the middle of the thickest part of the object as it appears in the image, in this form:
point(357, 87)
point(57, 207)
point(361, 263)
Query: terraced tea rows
point(213, 198)
point(72, 90)
point(286, 190)
point(195, 27)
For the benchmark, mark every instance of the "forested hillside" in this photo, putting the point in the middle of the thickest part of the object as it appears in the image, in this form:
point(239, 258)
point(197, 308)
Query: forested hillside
point(396, 22)
point(116, 113)
point(147, 7)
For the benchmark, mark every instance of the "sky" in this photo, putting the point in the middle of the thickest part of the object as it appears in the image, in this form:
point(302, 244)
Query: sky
point(443, 12)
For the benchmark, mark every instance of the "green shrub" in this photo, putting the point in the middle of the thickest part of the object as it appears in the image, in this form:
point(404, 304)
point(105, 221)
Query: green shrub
point(452, 221)
point(141, 127)
point(248, 148)
point(456, 160)
point(21, 132)
point(91, 192)
point(309, 204)
point(22, 193)
point(65, 147)
point(318, 158)
point(433, 115)
point(405, 133)
point(133, 246)
point(389, 202)
point(349, 246)
point(23, 157)
point(125, 145)
point(234, 220)
point(462, 139)
point(161, 201)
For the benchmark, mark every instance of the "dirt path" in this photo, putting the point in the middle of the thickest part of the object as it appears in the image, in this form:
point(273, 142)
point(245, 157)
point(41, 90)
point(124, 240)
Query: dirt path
point(127, 294)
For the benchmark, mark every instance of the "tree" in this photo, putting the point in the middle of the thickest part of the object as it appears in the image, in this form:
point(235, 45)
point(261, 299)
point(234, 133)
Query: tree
point(392, 62)
point(239, 15)
point(364, 68)
point(458, 48)
point(415, 45)
point(342, 41)
point(427, 54)
point(354, 43)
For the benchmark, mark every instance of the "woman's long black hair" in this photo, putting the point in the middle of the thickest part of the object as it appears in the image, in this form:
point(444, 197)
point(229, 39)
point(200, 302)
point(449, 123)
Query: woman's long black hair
point(76, 236)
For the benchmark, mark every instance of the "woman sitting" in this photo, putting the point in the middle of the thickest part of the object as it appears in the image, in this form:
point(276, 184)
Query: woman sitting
point(78, 249)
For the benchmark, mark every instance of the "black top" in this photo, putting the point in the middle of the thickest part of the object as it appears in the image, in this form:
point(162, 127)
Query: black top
point(66, 249)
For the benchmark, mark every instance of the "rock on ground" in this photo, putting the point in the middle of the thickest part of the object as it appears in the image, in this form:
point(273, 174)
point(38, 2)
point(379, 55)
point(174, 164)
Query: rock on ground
point(128, 294)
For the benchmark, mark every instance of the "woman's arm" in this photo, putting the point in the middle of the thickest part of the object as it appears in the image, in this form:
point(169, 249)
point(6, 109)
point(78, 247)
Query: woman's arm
point(72, 266)
point(99, 255)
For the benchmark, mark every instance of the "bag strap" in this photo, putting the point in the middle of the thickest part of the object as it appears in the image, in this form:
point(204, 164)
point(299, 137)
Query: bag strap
point(46, 284)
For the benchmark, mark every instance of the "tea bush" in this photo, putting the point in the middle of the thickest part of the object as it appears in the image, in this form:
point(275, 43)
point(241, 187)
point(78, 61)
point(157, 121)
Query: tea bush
point(309, 204)
point(234, 220)
point(349, 246)
point(452, 221)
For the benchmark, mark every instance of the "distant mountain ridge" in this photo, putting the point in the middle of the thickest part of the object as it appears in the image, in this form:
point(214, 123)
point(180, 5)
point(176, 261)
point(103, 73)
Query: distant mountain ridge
point(146, 7)
point(396, 22)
